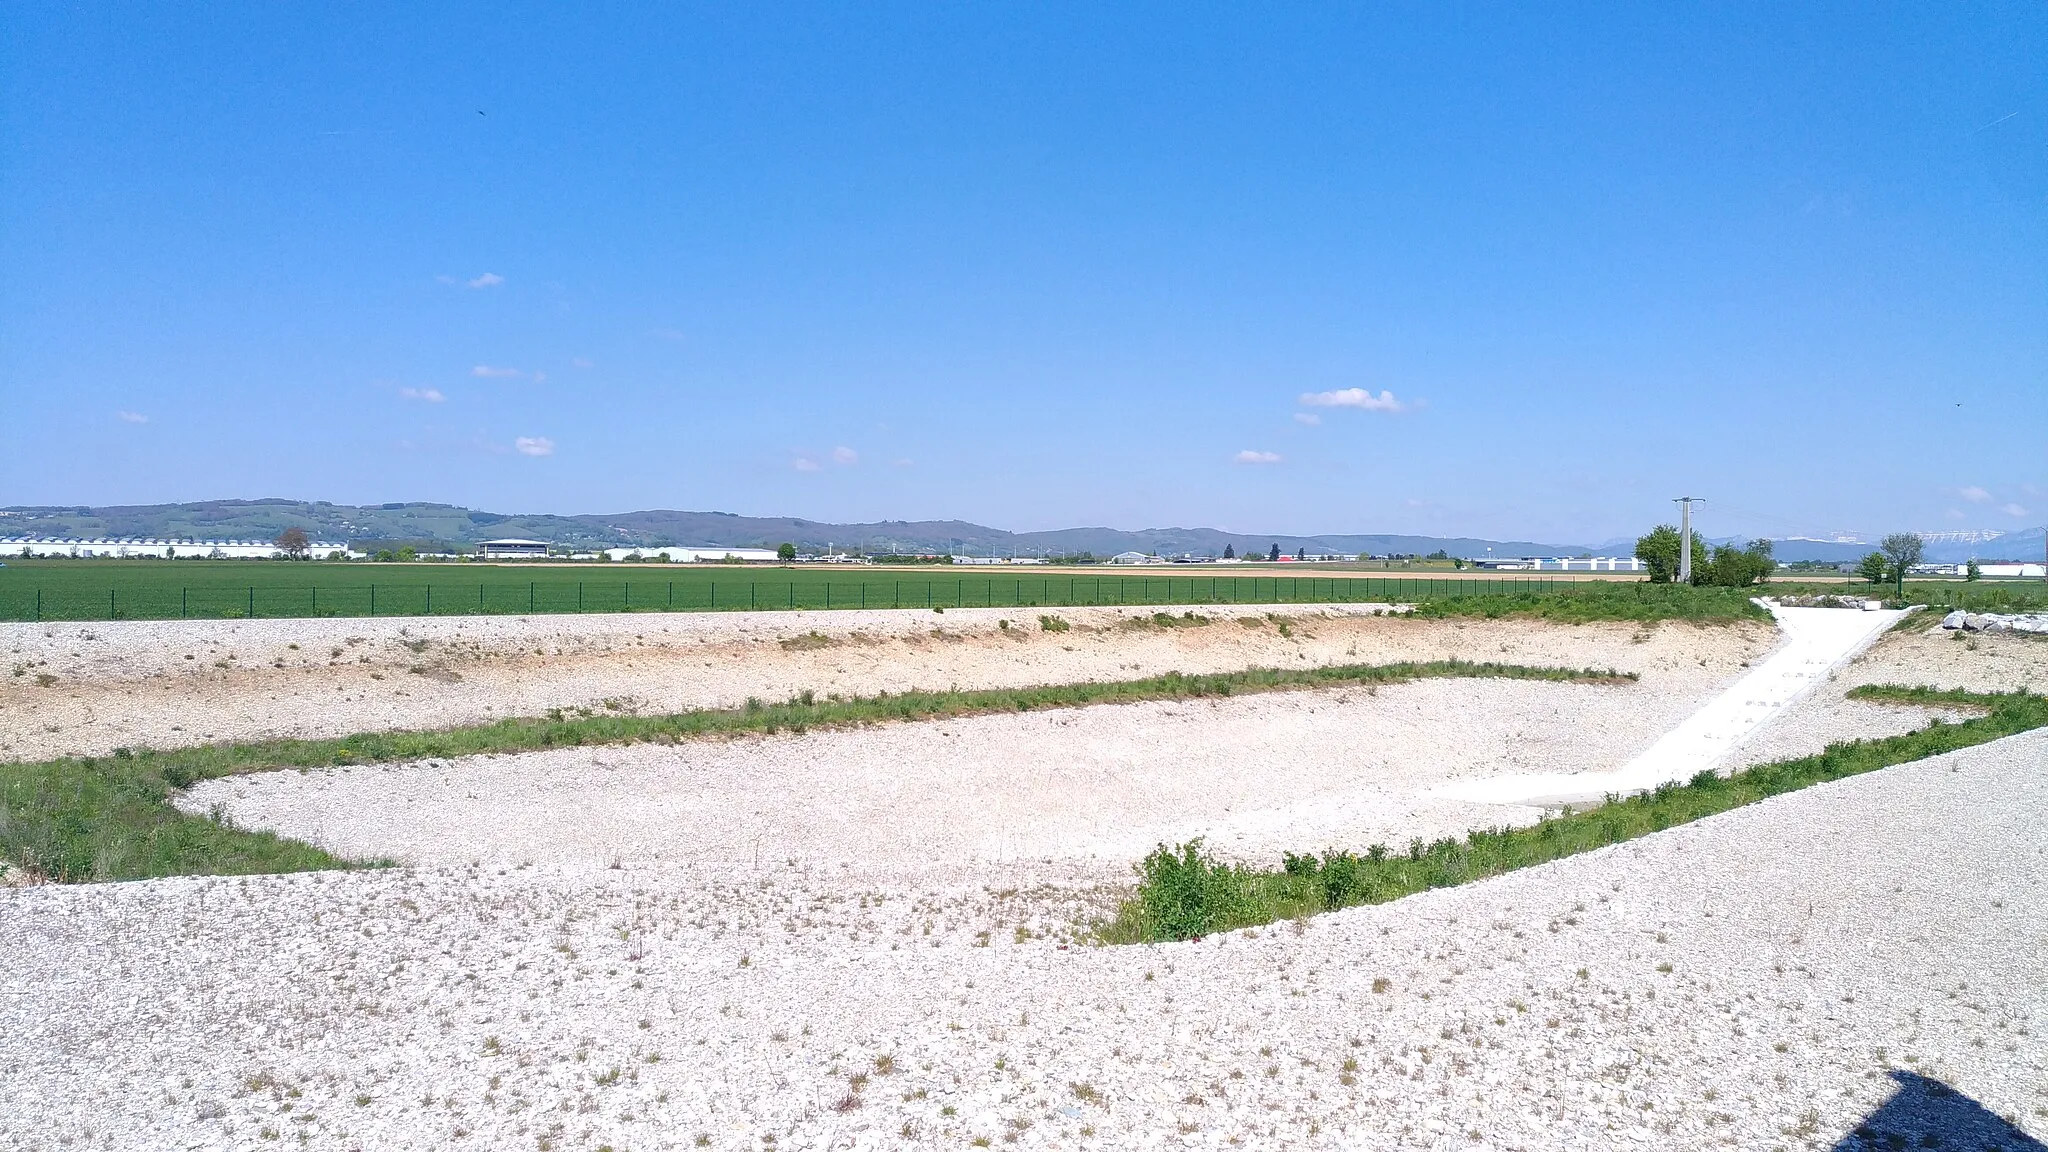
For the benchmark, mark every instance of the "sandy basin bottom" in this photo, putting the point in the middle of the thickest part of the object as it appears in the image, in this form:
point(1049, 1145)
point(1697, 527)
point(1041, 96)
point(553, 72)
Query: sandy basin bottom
point(1253, 774)
point(1765, 978)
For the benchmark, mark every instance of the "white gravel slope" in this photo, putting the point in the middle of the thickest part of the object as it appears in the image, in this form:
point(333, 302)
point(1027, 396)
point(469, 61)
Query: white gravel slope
point(1743, 982)
point(1091, 787)
point(87, 689)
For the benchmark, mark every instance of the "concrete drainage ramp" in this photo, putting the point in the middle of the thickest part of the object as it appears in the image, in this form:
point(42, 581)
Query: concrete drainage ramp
point(1816, 642)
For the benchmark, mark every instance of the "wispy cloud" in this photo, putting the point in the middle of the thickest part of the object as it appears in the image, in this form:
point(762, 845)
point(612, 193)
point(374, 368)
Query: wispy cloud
point(487, 280)
point(584, 362)
point(669, 334)
point(131, 417)
point(1308, 418)
point(2014, 510)
point(1954, 514)
point(1248, 456)
point(806, 464)
point(1975, 495)
point(534, 446)
point(1354, 398)
point(845, 455)
point(430, 395)
point(487, 372)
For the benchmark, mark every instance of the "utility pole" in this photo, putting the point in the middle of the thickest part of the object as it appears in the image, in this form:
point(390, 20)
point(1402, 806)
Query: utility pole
point(1685, 504)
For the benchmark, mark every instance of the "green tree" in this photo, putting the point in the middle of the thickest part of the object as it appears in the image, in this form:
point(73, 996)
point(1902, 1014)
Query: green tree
point(408, 554)
point(1903, 550)
point(1658, 550)
point(785, 551)
point(1732, 567)
point(1273, 553)
point(1874, 568)
point(293, 543)
point(1230, 552)
point(1971, 571)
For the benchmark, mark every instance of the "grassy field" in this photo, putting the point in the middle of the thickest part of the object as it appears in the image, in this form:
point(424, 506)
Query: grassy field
point(1184, 894)
point(161, 589)
point(110, 818)
point(35, 590)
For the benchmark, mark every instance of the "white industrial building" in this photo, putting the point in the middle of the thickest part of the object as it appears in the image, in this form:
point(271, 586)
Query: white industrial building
point(512, 549)
point(709, 555)
point(140, 548)
point(1564, 564)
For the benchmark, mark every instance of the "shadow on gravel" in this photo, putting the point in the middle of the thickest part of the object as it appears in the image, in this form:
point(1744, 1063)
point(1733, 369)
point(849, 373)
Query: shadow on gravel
point(1925, 1113)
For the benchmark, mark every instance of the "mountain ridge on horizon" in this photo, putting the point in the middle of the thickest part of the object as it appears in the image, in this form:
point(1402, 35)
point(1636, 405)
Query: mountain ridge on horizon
point(427, 522)
point(431, 522)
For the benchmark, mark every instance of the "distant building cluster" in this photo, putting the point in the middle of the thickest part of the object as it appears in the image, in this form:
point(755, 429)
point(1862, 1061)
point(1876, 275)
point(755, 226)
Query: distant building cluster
point(139, 548)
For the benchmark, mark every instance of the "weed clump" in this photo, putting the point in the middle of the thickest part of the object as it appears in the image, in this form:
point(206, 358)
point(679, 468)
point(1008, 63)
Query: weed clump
point(1052, 624)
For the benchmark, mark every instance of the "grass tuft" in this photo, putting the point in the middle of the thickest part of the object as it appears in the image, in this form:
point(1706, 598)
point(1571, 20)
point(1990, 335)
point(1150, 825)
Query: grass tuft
point(1183, 894)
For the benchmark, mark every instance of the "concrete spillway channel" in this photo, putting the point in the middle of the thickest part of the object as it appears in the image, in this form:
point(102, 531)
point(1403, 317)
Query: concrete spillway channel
point(1816, 642)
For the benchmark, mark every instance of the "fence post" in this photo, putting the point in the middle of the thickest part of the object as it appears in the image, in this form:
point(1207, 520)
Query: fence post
point(181, 603)
point(529, 597)
point(579, 595)
point(373, 599)
point(252, 602)
point(110, 603)
point(316, 599)
point(39, 605)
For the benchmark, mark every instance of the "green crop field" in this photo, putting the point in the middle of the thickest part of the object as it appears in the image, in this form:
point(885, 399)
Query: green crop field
point(226, 589)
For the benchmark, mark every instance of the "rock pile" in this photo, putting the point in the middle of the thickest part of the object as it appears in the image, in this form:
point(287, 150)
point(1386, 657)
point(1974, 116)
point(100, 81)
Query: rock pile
point(1961, 621)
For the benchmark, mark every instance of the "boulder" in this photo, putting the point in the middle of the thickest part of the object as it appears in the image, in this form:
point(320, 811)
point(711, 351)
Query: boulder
point(1954, 619)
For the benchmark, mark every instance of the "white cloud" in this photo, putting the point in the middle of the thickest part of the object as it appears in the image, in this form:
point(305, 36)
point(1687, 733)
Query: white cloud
point(584, 362)
point(430, 395)
point(488, 372)
point(845, 455)
point(1308, 418)
point(534, 446)
point(131, 417)
point(487, 280)
point(2013, 510)
point(805, 464)
point(1954, 514)
point(1975, 495)
point(1353, 398)
point(1248, 456)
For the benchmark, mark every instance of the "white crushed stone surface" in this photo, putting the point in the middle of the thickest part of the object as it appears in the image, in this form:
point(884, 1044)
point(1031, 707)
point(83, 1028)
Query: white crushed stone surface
point(1761, 979)
point(1097, 786)
point(86, 689)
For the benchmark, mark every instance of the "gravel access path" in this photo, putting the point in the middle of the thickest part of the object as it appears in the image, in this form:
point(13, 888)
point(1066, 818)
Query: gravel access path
point(1755, 980)
point(1816, 642)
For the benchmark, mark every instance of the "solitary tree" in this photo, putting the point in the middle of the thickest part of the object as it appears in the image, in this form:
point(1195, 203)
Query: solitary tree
point(1273, 553)
point(785, 551)
point(1658, 550)
point(1301, 553)
point(1230, 551)
point(1874, 567)
point(293, 543)
point(1903, 550)
point(1971, 571)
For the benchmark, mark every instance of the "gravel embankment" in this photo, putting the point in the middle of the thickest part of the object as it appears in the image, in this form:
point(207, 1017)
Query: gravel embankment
point(1748, 981)
point(87, 689)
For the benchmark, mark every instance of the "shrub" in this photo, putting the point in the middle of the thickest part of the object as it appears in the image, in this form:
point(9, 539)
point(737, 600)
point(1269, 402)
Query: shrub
point(1052, 624)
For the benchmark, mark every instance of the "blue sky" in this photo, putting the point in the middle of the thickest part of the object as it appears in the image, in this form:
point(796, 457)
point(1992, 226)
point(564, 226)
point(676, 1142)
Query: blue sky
point(1037, 266)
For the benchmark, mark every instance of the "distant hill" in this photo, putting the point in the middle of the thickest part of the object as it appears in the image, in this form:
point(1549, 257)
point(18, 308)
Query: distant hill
point(448, 525)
